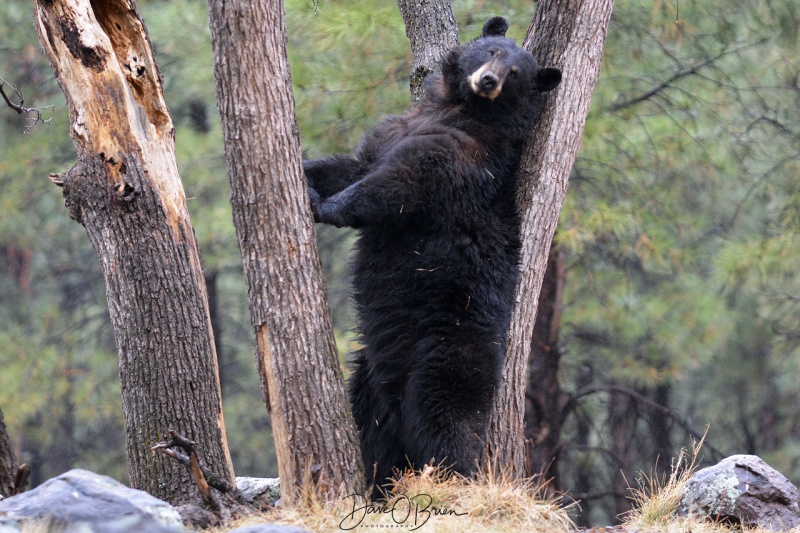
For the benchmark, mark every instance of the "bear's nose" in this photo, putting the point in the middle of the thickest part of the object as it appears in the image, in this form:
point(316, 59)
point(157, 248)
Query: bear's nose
point(489, 81)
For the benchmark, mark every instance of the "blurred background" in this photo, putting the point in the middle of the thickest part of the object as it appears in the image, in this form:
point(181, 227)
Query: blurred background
point(679, 236)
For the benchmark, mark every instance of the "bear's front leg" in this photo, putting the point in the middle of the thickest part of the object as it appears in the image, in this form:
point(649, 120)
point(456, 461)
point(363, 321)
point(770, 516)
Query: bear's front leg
point(330, 175)
point(390, 197)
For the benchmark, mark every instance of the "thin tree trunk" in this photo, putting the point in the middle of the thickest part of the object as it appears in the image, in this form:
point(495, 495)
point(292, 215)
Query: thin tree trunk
point(567, 34)
point(300, 372)
point(545, 400)
point(8, 465)
point(621, 425)
point(126, 191)
point(660, 423)
point(432, 31)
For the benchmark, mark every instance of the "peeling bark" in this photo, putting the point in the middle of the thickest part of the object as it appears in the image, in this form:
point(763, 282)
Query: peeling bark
point(126, 191)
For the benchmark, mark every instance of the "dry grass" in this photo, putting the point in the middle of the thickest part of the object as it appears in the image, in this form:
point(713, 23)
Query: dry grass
point(656, 499)
point(430, 502)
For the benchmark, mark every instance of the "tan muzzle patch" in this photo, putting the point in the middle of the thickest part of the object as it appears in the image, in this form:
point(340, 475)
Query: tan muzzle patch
point(486, 82)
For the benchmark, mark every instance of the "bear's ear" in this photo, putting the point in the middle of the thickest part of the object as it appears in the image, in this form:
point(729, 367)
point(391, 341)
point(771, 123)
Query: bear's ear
point(547, 79)
point(495, 27)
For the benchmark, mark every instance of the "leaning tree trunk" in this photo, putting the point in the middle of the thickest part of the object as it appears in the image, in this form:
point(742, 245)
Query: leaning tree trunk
point(8, 466)
point(300, 372)
point(432, 31)
point(568, 34)
point(126, 191)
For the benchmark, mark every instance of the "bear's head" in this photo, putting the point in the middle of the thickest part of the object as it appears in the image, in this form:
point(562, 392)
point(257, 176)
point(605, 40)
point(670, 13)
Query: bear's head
point(493, 68)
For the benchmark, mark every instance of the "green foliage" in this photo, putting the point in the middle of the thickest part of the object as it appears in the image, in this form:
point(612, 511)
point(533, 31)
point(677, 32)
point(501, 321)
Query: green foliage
point(681, 227)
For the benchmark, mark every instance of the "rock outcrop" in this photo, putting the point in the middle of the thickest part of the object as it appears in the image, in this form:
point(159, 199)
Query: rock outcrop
point(743, 489)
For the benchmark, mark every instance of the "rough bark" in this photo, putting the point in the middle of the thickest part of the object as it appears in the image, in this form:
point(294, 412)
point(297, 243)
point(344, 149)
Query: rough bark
point(300, 372)
point(567, 34)
point(545, 400)
point(8, 465)
point(432, 31)
point(126, 191)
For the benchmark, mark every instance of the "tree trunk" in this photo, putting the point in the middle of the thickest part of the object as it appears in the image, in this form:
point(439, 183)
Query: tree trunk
point(660, 424)
point(300, 372)
point(8, 465)
point(545, 401)
point(126, 191)
point(621, 424)
point(432, 31)
point(568, 34)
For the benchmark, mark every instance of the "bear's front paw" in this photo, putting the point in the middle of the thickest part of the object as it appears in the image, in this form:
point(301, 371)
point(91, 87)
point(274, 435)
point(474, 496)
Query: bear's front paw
point(316, 200)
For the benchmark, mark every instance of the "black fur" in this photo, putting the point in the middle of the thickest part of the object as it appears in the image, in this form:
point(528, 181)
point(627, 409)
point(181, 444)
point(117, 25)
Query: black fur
point(432, 193)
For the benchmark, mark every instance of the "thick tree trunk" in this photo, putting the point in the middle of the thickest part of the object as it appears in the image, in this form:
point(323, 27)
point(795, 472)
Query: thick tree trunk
point(126, 191)
point(545, 400)
point(8, 465)
point(568, 34)
point(300, 372)
point(432, 31)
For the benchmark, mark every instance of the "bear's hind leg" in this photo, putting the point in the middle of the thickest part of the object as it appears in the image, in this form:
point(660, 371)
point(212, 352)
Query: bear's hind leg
point(447, 403)
point(378, 423)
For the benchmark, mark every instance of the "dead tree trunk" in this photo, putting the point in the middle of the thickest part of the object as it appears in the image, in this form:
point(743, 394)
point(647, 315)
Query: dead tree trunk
point(567, 34)
point(126, 191)
point(301, 377)
point(8, 465)
point(432, 31)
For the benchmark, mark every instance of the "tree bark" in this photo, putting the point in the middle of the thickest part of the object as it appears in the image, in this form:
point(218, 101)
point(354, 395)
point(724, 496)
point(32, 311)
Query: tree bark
point(8, 465)
point(570, 35)
point(432, 31)
point(545, 400)
point(126, 191)
point(300, 372)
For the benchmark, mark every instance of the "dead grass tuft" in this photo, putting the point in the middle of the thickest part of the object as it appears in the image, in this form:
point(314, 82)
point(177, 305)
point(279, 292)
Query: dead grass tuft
point(432, 501)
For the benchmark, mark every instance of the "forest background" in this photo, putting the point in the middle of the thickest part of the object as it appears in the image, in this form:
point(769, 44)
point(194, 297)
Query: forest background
point(679, 236)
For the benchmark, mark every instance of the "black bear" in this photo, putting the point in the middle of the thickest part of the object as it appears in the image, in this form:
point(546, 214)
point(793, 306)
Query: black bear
point(436, 261)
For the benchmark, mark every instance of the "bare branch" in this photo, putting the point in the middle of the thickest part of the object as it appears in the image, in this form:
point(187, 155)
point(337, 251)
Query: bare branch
point(19, 108)
point(204, 477)
point(680, 74)
point(639, 398)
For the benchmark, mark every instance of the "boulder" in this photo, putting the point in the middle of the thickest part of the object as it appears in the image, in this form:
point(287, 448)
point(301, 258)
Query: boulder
point(742, 489)
point(258, 490)
point(85, 502)
point(9, 526)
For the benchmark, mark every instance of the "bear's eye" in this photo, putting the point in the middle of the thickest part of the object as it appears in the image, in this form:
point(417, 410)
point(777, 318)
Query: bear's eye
point(513, 74)
point(490, 53)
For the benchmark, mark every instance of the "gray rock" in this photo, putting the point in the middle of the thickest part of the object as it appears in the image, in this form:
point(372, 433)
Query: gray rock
point(9, 526)
point(269, 528)
point(258, 490)
point(743, 489)
point(84, 502)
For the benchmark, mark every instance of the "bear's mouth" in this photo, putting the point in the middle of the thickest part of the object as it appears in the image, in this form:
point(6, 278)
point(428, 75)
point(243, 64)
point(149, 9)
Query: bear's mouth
point(485, 82)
